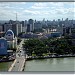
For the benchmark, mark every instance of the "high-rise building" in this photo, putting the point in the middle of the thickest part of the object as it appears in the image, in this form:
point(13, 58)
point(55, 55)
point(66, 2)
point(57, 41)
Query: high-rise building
point(29, 28)
point(7, 26)
point(1, 31)
point(14, 29)
point(66, 31)
point(23, 23)
point(17, 28)
point(38, 25)
point(31, 22)
point(24, 26)
point(67, 22)
point(1, 28)
point(73, 32)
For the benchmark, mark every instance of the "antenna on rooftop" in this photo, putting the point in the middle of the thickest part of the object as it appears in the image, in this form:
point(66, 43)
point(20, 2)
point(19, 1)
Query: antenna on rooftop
point(16, 16)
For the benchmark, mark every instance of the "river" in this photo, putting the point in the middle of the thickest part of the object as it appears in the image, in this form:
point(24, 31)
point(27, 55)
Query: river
point(51, 64)
point(4, 66)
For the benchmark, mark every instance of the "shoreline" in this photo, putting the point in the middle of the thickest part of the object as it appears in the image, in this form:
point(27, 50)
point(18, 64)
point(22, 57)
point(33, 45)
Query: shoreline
point(6, 60)
point(46, 57)
point(36, 58)
point(39, 57)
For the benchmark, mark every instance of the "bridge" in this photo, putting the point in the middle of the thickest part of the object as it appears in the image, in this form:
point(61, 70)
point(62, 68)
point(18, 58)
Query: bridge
point(19, 62)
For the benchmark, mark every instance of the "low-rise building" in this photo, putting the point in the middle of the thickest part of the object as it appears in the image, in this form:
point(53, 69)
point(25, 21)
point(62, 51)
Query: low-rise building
point(11, 39)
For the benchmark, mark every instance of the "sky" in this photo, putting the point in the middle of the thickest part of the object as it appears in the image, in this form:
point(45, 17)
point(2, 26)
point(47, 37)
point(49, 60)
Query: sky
point(37, 10)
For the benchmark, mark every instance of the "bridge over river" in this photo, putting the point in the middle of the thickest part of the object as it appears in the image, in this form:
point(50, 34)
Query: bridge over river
point(20, 60)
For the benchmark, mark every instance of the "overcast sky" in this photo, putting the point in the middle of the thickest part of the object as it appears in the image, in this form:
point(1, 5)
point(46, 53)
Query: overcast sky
point(37, 10)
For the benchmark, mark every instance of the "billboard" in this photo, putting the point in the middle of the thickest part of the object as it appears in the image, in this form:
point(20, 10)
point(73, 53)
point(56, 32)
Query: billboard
point(3, 47)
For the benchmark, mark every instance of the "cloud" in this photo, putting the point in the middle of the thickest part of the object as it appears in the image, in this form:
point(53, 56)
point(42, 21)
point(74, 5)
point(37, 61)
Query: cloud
point(32, 12)
point(37, 10)
point(12, 5)
point(39, 6)
point(19, 3)
point(21, 8)
point(56, 4)
point(47, 5)
point(54, 8)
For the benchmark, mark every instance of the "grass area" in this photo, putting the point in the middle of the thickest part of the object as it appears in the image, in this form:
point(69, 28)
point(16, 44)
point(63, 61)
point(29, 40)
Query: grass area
point(33, 54)
point(44, 54)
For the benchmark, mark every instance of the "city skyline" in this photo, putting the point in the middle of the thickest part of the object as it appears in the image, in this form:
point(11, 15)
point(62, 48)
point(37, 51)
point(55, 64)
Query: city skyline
point(37, 10)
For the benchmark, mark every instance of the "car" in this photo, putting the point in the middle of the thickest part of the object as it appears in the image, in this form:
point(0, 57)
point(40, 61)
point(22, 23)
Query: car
point(20, 51)
point(18, 54)
point(17, 61)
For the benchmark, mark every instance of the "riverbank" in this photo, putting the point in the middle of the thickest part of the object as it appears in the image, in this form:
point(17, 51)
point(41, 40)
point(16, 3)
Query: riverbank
point(7, 59)
point(45, 57)
point(20, 63)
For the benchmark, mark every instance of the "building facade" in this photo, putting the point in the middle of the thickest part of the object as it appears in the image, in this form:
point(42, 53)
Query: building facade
point(7, 26)
point(11, 39)
point(17, 28)
point(37, 25)
point(3, 46)
point(31, 23)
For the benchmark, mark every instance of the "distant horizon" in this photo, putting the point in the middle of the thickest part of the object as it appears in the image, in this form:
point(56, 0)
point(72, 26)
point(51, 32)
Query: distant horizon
point(36, 10)
point(40, 20)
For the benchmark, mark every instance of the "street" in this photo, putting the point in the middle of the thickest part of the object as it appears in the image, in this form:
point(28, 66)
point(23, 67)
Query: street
point(20, 59)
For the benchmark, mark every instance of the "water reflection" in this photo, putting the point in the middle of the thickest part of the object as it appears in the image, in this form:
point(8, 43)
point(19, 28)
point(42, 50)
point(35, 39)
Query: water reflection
point(59, 60)
point(51, 64)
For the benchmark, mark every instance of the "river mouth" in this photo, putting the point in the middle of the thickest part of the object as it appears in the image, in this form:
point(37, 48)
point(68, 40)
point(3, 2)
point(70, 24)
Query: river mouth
point(51, 65)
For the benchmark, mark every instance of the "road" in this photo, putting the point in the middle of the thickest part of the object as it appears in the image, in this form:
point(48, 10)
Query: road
point(20, 59)
point(18, 64)
point(20, 45)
